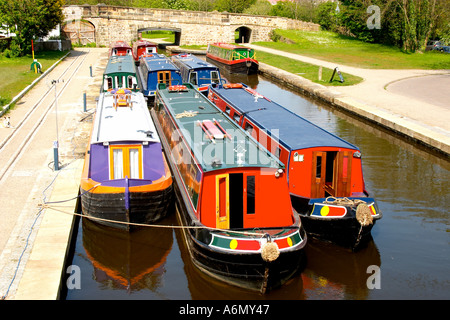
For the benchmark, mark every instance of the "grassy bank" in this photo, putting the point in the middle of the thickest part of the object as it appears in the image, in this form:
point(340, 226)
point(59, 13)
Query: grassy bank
point(16, 74)
point(306, 70)
point(344, 50)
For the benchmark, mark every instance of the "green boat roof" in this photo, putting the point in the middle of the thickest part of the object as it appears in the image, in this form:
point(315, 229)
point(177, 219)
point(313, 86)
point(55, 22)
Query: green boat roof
point(235, 148)
point(120, 64)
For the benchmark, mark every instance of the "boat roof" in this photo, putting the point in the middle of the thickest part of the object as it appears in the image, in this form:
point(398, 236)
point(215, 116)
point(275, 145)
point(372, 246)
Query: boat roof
point(121, 64)
point(230, 46)
point(292, 131)
point(131, 123)
point(146, 43)
point(158, 61)
point(190, 109)
point(119, 44)
point(193, 62)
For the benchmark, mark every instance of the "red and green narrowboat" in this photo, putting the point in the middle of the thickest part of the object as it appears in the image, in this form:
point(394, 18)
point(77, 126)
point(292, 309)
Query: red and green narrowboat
point(232, 198)
point(324, 172)
point(233, 58)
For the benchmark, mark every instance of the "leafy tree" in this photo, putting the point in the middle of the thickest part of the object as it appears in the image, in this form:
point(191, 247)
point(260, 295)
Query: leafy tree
point(260, 7)
point(30, 19)
point(233, 6)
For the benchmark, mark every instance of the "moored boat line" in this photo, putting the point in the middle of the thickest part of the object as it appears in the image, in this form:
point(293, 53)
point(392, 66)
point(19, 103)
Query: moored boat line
point(324, 172)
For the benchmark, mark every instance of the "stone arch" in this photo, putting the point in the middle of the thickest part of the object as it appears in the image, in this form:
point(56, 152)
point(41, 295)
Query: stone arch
point(79, 31)
point(177, 32)
point(245, 34)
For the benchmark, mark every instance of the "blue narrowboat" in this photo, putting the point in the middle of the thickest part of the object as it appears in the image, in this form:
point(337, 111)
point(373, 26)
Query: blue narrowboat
point(157, 68)
point(120, 73)
point(232, 196)
point(126, 180)
point(324, 172)
point(199, 73)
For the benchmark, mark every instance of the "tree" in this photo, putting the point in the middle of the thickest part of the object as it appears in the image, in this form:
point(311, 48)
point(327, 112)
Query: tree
point(233, 6)
point(30, 19)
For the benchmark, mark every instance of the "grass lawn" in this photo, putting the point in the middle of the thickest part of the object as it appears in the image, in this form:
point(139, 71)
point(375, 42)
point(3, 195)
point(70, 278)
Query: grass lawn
point(306, 70)
point(16, 74)
point(344, 50)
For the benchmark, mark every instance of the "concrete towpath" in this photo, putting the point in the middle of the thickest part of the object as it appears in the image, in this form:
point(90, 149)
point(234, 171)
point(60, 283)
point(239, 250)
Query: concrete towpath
point(34, 238)
point(413, 103)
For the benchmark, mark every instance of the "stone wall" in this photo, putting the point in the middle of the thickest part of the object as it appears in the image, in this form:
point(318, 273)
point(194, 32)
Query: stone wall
point(196, 27)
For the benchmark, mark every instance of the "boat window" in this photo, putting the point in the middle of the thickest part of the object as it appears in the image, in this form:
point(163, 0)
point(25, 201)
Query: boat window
point(250, 194)
point(130, 82)
point(134, 163)
point(118, 164)
point(248, 127)
point(108, 83)
point(319, 167)
point(227, 110)
point(236, 117)
point(215, 77)
point(193, 78)
point(278, 152)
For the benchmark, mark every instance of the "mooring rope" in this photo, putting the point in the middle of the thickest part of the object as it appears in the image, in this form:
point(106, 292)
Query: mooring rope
point(47, 206)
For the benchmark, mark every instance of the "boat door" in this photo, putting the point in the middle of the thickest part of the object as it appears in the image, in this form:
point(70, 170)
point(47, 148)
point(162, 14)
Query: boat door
point(331, 174)
point(223, 201)
point(318, 174)
point(164, 77)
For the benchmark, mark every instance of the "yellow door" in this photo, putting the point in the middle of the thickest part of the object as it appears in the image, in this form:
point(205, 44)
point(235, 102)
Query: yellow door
point(222, 201)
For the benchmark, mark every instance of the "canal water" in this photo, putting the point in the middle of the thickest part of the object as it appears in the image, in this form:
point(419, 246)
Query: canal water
point(408, 257)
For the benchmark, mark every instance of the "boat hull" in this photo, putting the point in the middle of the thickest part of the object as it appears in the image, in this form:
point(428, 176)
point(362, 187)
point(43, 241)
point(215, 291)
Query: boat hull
point(245, 270)
point(124, 210)
point(243, 66)
point(338, 222)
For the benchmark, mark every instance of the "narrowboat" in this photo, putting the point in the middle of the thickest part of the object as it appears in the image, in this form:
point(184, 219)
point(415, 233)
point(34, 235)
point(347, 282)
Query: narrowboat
point(196, 71)
point(232, 197)
point(120, 73)
point(324, 172)
point(142, 48)
point(120, 48)
point(233, 58)
point(126, 180)
point(154, 69)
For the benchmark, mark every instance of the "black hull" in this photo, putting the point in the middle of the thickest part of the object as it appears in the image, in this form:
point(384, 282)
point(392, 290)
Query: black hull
point(109, 208)
point(248, 271)
point(344, 231)
point(244, 67)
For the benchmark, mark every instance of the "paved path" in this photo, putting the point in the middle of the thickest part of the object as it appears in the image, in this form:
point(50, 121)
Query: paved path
point(420, 97)
point(29, 180)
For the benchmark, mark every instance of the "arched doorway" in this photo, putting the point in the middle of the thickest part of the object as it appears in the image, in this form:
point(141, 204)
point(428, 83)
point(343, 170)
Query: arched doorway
point(79, 31)
point(243, 35)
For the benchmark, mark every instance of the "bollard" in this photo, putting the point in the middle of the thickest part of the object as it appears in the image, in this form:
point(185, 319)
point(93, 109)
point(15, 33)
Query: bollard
point(55, 155)
point(90, 70)
point(84, 101)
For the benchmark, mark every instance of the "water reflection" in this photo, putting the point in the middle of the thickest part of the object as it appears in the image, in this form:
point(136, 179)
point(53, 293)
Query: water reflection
point(334, 272)
point(124, 260)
